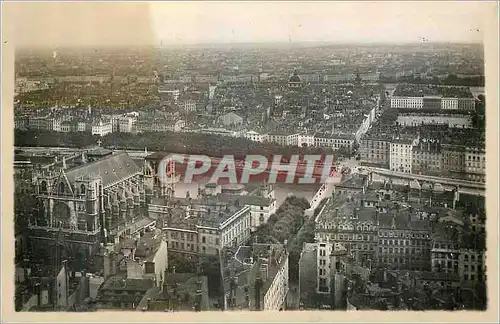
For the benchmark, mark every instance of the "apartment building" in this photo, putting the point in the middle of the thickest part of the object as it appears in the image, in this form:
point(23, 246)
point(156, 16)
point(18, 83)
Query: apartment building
point(453, 159)
point(67, 126)
point(256, 137)
point(204, 226)
point(445, 251)
point(477, 221)
point(432, 97)
point(466, 104)
point(159, 125)
point(41, 123)
point(255, 277)
point(475, 163)
point(324, 251)
point(351, 226)
point(449, 103)
point(375, 149)
point(452, 120)
point(448, 257)
point(306, 140)
point(182, 240)
point(426, 158)
point(472, 265)
point(261, 208)
point(318, 290)
point(101, 128)
point(404, 242)
point(335, 141)
point(126, 124)
point(283, 138)
point(82, 126)
point(401, 154)
point(407, 102)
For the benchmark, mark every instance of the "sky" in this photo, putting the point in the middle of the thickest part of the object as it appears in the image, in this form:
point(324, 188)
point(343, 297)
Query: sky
point(152, 23)
point(360, 22)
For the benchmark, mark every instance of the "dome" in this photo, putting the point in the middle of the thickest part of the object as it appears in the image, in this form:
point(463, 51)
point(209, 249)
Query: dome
point(295, 79)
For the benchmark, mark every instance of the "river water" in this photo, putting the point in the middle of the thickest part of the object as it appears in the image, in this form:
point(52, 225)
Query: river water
point(281, 190)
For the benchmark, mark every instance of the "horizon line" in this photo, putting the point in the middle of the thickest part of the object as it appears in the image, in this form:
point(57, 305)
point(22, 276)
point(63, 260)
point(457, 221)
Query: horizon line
point(293, 43)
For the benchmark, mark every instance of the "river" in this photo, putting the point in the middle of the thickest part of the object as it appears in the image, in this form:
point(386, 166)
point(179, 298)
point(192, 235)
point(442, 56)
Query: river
point(281, 190)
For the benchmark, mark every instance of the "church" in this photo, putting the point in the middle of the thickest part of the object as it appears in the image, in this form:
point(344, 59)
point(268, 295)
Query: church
point(91, 204)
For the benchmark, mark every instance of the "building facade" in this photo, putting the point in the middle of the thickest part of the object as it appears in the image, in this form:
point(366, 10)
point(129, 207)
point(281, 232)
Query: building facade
point(401, 155)
point(375, 150)
point(93, 203)
point(475, 163)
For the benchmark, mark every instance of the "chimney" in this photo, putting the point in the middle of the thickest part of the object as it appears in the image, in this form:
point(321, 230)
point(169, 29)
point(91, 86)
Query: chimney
point(393, 225)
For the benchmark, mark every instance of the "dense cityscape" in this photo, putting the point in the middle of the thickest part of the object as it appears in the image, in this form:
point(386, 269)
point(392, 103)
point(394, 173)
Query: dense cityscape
point(400, 226)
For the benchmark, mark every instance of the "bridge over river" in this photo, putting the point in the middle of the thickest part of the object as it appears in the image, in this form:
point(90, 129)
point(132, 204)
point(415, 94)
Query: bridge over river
point(462, 186)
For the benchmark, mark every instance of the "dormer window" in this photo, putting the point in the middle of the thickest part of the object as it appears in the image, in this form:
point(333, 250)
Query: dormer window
point(82, 189)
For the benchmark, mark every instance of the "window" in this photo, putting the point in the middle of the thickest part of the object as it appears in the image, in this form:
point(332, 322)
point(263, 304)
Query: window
point(61, 187)
point(82, 189)
point(203, 239)
point(150, 267)
point(44, 187)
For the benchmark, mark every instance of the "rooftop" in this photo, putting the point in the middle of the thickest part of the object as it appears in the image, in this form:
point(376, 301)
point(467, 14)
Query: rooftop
point(355, 181)
point(207, 211)
point(180, 293)
point(242, 268)
point(421, 90)
point(113, 168)
point(120, 283)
